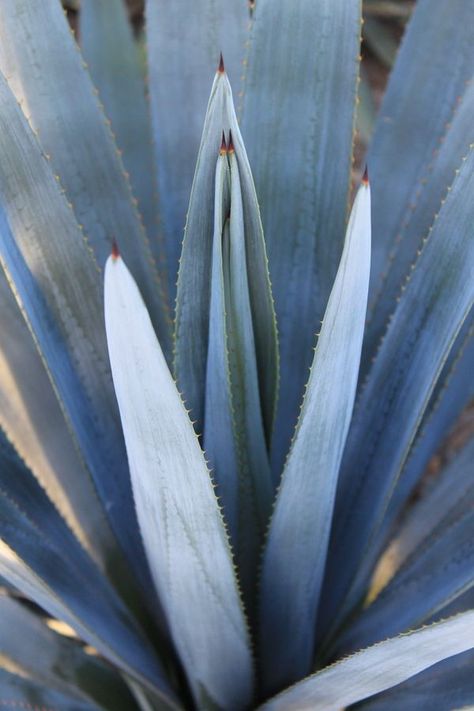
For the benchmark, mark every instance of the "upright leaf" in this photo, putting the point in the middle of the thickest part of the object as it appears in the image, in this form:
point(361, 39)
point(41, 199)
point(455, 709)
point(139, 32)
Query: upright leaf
point(434, 304)
point(377, 668)
point(113, 59)
point(179, 517)
point(295, 552)
point(57, 286)
point(424, 202)
point(438, 572)
point(452, 491)
point(181, 57)
point(39, 57)
point(45, 443)
point(234, 433)
point(193, 299)
point(297, 122)
point(418, 106)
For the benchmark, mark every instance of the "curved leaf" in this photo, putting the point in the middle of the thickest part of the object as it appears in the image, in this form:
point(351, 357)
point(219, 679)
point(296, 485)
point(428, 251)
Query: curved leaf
point(453, 490)
point(18, 692)
point(57, 286)
point(45, 443)
point(377, 668)
point(440, 571)
point(447, 685)
point(297, 121)
point(295, 552)
point(40, 556)
point(181, 58)
point(420, 214)
point(179, 517)
point(56, 661)
point(42, 63)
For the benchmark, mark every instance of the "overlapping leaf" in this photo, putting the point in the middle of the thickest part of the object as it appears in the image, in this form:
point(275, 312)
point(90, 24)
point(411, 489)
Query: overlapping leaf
point(113, 61)
point(193, 299)
point(434, 305)
point(179, 517)
point(59, 663)
point(39, 57)
point(58, 288)
point(297, 122)
point(377, 668)
point(295, 552)
point(181, 57)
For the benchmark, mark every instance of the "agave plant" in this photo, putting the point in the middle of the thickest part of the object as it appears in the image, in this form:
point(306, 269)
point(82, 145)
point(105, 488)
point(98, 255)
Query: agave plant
point(196, 512)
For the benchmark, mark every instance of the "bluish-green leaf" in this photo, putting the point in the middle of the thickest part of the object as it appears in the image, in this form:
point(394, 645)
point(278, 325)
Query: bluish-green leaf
point(236, 445)
point(297, 123)
point(113, 60)
point(437, 572)
point(16, 692)
point(43, 442)
point(424, 204)
point(184, 39)
point(57, 285)
point(452, 492)
point(193, 300)
point(179, 517)
point(433, 65)
point(42, 558)
point(56, 661)
point(377, 668)
point(435, 302)
point(295, 552)
point(447, 685)
point(42, 63)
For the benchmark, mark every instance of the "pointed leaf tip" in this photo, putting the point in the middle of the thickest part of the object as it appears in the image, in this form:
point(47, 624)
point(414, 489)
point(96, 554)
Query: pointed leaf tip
point(365, 177)
point(223, 148)
point(230, 146)
point(221, 68)
point(115, 250)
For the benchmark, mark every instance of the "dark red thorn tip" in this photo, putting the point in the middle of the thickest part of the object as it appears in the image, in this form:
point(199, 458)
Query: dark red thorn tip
point(230, 146)
point(115, 250)
point(365, 177)
point(223, 148)
point(221, 68)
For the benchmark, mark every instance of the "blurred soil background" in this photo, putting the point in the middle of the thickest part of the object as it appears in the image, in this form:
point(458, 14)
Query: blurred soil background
point(382, 31)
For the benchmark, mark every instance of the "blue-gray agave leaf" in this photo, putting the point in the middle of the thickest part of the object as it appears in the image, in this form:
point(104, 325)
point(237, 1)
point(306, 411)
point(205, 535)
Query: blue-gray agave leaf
point(234, 430)
point(377, 668)
point(434, 304)
point(113, 60)
point(193, 299)
point(39, 57)
point(42, 250)
point(184, 39)
point(428, 80)
point(178, 513)
point(297, 121)
point(57, 661)
point(295, 551)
